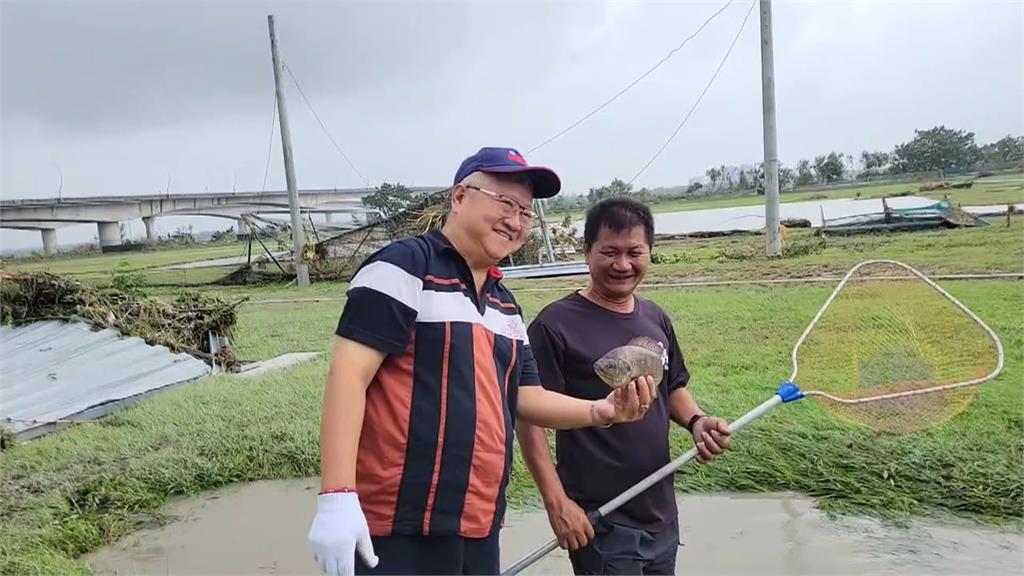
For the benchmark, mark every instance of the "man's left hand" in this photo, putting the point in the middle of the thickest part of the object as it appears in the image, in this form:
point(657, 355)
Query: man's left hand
point(629, 403)
point(711, 436)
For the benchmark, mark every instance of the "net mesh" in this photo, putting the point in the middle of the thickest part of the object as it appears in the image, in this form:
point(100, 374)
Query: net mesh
point(889, 340)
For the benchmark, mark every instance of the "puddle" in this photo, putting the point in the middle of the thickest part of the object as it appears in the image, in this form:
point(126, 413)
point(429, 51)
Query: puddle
point(260, 528)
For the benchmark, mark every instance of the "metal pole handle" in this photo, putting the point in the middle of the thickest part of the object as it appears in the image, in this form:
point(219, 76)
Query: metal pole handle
point(654, 477)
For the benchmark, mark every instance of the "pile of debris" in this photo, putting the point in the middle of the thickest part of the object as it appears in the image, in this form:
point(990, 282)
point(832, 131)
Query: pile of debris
point(337, 257)
point(939, 215)
point(193, 323)
point(945, 185)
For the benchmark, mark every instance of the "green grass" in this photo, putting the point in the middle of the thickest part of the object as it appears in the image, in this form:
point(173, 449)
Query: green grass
point(945, 251)
point(84, 487)
point(940, 251)
point(309, 328)
point(741, 258)
point(738, 342)
point(87, 486)
point(970, 464)
point(263, 292)
point(99, 264)
point(982, 194)
point(79, 489)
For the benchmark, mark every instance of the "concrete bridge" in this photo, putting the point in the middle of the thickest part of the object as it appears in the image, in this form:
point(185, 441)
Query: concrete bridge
point(108, 212)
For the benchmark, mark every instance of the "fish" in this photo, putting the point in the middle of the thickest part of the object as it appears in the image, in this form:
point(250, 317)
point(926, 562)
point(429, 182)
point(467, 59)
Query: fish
point(641, 356)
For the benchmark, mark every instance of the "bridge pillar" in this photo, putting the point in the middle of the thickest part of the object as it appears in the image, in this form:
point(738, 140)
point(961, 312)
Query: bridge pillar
point(242, 231)
point(110, 236)
point(150, 222)
point(328, 217)
point(49, 241)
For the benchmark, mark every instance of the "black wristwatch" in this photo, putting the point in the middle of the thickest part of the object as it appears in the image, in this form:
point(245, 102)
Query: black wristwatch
point(693, 420)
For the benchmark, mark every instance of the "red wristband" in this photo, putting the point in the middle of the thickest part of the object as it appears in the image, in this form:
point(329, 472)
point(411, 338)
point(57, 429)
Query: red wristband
point(343, 489)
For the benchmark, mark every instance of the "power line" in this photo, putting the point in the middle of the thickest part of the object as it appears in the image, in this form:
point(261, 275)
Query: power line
point(701, 97)
point(270, 149)
point(270, 145)
point(633, 83)
point(315, 115)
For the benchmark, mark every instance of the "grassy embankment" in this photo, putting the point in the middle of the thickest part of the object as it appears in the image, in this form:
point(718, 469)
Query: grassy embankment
point(99, 268)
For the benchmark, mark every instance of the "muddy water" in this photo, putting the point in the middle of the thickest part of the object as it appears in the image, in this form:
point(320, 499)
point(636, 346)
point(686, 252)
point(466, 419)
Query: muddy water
point(260, 528)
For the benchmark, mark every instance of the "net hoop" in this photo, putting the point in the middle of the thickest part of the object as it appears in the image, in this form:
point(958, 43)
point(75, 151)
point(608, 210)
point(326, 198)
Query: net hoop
point(999, 346)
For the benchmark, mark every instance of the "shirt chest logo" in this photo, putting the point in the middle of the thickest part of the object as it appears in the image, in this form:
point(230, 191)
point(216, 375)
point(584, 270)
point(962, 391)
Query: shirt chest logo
point(515, 328)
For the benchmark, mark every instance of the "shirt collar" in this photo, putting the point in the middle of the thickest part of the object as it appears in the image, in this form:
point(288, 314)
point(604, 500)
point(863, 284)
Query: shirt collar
point(442, 244)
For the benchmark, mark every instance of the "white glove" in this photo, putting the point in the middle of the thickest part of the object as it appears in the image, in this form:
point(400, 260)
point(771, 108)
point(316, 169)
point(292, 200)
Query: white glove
point(339, 529)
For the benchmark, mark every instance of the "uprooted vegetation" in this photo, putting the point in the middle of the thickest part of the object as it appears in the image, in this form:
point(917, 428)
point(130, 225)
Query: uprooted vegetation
point(182, 325)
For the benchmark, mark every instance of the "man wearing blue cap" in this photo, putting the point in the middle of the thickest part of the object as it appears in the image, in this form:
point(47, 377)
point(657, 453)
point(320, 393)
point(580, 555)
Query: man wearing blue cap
point(431, 367)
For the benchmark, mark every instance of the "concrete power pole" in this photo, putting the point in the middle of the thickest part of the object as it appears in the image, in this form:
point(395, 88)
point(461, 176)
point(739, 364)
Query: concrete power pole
point(771, 153)
point(544, 231)
point(301, 271)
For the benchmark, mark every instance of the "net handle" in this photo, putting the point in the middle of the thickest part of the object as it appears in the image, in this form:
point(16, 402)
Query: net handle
point(787, 392)
point(940, 290)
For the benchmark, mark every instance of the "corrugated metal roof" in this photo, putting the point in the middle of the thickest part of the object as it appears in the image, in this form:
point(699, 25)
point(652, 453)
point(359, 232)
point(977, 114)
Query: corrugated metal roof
point(52, 371)
point(543, 270)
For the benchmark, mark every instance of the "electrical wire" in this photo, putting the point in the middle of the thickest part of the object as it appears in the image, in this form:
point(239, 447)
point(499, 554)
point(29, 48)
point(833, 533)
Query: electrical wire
point(701, 97)
point(327, 132)
point(633, 83)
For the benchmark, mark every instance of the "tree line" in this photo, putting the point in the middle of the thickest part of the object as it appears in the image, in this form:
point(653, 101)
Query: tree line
point(939, 150)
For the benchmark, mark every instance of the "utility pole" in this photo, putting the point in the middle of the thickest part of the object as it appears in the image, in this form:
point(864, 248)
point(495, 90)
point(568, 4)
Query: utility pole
point(771, 153)
point(544, 231)
point(301, 271)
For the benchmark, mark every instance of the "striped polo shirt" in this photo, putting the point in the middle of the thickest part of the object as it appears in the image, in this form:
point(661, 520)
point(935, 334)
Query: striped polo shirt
point(435, 450)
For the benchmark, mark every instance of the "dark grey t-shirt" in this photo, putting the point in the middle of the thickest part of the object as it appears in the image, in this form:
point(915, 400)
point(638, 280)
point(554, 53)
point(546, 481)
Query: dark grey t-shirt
point(597, 464)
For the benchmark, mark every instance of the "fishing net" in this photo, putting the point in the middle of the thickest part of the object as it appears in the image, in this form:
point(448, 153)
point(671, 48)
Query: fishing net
point(893, 351)
point(889, 349)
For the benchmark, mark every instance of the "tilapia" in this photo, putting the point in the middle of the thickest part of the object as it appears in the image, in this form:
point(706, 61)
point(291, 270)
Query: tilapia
point(641, 356)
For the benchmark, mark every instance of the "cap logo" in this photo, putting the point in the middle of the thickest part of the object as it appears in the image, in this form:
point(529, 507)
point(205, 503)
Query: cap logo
point(515, 157)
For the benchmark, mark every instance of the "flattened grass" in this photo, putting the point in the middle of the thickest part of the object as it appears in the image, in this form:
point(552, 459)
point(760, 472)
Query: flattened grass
point(136, 260)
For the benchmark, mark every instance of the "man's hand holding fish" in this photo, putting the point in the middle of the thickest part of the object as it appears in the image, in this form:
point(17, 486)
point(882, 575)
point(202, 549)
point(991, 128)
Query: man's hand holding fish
point(626, 403)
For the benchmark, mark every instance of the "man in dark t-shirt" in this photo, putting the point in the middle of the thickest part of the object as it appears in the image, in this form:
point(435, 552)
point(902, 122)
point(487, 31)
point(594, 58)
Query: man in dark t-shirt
point(595, 465)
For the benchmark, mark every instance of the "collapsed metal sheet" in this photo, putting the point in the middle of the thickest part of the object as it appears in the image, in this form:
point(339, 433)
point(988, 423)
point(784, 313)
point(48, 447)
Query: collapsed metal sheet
point(52, 371)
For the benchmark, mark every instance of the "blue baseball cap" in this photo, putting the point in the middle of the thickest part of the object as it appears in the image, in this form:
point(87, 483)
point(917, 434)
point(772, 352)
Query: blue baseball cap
point(509, 161)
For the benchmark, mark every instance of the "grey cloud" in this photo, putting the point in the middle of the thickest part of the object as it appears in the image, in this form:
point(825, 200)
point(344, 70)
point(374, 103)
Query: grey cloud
point(83, 66)
point(409, 88)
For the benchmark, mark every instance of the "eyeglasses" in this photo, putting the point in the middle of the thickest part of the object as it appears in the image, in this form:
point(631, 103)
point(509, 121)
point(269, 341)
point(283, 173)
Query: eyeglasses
point(509, 206)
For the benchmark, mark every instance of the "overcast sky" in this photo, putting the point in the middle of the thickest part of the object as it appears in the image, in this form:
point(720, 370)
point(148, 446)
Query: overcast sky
point(124, 97)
